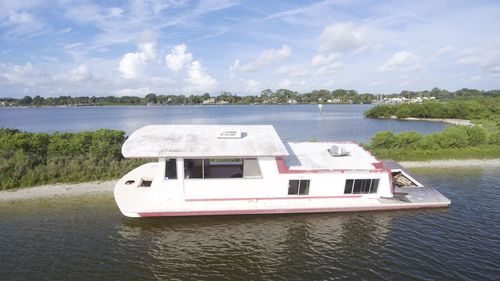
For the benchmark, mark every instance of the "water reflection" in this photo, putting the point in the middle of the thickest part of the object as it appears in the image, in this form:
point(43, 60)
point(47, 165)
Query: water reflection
point(270, 244)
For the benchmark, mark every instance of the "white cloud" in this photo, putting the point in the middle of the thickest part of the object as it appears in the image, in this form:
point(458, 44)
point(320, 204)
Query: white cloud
point(141, 92)
point(19, 24)
point(322, 59)
point(403, 60)
point(198, 78)
point(265, 58)
point(116, 12)
point(485, 57)
point(178, 58)
point(293, 70)
point(343, 36)
point(15, 74)
point(445, 50)
point(332, 67)
point(132, 64)
point(252, 86)
point(80, 73)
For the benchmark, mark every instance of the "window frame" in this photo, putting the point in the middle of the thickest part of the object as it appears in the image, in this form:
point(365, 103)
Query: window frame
point(167, 169)
point(361, 186)
point(307, 183)
point(209, 162)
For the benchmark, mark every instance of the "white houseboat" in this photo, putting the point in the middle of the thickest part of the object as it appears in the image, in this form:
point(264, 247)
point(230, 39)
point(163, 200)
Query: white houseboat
point(247, 169)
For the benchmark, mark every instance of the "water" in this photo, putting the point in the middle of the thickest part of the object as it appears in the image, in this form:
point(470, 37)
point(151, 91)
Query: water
point(88, 239)
point(293, 122)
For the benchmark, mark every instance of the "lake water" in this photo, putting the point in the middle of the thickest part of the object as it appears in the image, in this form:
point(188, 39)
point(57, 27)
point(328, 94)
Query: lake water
point(87, 238)
point(293, 122)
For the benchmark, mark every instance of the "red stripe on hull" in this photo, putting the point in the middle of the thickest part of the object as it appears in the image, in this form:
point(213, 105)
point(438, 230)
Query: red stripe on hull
point(287, 211)
point(273, 198)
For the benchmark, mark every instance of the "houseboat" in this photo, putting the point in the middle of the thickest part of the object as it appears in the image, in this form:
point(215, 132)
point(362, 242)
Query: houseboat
point(247, 169)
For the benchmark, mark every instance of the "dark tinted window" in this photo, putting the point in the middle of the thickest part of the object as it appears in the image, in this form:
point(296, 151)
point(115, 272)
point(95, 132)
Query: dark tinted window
point(171, 169)
point(193, 169)
point(304, 187)
point(365, 186)
point(361, 186)
point(348, 186)
point(293, 187)
point(374, 186)
point(298, 187)
point(357, 186)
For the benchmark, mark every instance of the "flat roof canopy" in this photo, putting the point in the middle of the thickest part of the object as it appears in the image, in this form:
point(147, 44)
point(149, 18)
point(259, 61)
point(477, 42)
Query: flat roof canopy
point(202, 141)
point(315, 156)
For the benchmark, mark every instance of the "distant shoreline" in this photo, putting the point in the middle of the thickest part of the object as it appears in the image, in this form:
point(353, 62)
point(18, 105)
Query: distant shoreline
point(174, 105)
point(105, 187)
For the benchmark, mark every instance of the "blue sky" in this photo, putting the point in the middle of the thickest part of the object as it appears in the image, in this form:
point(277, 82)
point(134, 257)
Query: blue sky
point(53, 48)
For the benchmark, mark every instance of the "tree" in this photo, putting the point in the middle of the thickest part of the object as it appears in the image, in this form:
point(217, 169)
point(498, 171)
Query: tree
point(150, 98)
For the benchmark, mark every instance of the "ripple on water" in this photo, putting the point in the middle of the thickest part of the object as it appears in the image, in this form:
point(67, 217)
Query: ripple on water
point(87, 238)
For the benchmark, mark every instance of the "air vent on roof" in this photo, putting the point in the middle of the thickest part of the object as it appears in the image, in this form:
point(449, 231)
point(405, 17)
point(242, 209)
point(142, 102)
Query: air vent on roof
point(337, 151)
point(229, 134)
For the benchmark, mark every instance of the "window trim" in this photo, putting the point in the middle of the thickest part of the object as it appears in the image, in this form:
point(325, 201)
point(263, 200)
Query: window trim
point(362, 184)
point(205, 160)
point(299, 181)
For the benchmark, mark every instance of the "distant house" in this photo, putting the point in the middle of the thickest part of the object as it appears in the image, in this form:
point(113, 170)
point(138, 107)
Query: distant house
point(333, 101)
point(209, 101)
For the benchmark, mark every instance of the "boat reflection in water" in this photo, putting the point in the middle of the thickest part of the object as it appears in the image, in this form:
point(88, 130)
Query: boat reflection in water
point(277, 245)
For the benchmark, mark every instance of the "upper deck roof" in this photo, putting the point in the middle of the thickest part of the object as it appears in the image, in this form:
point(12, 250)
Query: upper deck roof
point(201, 141)
point(314, 156)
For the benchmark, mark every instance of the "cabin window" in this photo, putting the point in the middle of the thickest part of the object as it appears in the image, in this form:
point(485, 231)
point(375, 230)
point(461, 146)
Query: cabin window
point(224, 168)
point(213, 168)
point(145, 183)
point(298, 187)
point(251, 168)
point(361, 186)
point(193, 168)
point(171, 169)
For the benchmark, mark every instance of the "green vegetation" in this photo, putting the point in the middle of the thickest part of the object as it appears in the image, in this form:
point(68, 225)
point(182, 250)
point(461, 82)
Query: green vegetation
point(458, 142)
point(472, 109)
point(280, 96)
point(28, 159)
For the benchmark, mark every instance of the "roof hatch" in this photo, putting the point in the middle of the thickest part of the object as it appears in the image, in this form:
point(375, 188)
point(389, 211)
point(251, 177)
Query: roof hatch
point(229, 134)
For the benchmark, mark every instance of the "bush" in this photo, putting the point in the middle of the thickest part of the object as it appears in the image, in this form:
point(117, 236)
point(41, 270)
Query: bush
point(406, 139)
point(28, 159)
point(453, 137)
point(476, 135)
point(384, 139)
point(494, 138)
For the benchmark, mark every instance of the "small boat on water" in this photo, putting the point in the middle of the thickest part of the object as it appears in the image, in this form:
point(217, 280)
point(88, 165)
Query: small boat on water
point(247, 169)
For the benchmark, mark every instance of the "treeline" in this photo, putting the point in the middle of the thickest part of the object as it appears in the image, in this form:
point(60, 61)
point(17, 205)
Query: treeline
point(29, 159)
point(481, 108)
point(458, 142)
point(280, 96)
point(443, 94)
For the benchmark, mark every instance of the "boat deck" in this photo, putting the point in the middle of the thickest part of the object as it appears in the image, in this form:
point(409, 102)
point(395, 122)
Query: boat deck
point(315, 156)
point(416, 196)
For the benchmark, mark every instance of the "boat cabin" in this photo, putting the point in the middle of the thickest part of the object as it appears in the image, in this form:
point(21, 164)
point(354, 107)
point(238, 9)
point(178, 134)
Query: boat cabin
point(247, 169)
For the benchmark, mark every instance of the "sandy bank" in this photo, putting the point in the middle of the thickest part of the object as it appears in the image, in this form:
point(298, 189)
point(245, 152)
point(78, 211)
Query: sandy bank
point(463, 122)
point(57, 190)
point(452, 163)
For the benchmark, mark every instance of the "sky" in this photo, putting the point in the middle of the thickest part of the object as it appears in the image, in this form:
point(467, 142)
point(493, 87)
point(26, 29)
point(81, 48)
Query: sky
point(60, 47)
